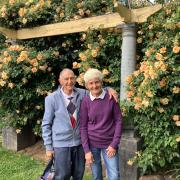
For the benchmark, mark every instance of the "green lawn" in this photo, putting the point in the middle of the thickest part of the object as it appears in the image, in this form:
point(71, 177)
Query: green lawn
point(15, 166)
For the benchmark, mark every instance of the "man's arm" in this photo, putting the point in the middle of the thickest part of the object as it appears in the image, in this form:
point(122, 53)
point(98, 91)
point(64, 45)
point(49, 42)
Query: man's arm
point(47, 123)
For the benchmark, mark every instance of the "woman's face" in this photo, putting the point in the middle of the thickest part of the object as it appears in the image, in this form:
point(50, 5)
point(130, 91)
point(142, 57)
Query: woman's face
point(94, 86)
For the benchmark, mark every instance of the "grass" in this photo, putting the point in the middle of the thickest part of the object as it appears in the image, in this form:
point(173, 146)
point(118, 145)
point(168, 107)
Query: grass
point(16, 166)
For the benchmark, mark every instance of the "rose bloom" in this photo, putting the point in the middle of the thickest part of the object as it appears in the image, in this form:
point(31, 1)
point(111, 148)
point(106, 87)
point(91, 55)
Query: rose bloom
point(39, 56)
point(164, 101)
point(163, 50)
point(176, 49)
point(176, 90)
point(177, 123)
point(105, 72)
point(178, 139)
point(21, 12)
point(162, 83)
point(81, 12)
point(159, 57)
point(4, 75)
point(137, 100)
point(150, 26)
point(76, 65)
point(82, 57)
point(129, 79)
point(11, 2)
point(178, 24)
point(89, 46)
point(136, 73)
point(5, 53)
point(145, 103)
point(88, 12)
point(175, 117)
point(18, 131)
point(161, 110)
point(24, 20)
point(148, 53)
point(129, 94)
point(139, 40)
point(24, 80)
point(2, 82)
point(11, 85)
point(34, 69)
point(149, 94)
point(94, 53)
point(130, 162)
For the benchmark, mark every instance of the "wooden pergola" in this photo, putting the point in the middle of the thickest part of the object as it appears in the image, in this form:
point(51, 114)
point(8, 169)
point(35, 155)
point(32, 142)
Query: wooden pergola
point(122, 16)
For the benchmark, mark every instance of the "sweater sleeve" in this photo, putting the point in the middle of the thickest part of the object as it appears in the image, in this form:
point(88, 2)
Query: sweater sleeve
point(83, 116)
point(47, 123)
point(117, 115)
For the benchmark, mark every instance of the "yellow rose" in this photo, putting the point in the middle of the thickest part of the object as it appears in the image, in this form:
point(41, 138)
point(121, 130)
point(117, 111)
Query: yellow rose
point(163, 50)
point(105, 72)
point(177, 123)
point(175, 117)
point(11, 85)
point(161, 110)
point(176, 49)
point(130, 162)
point(176, 90)
point(34, 69)
point(164, 101)
point(178, 139)
point(159, 57)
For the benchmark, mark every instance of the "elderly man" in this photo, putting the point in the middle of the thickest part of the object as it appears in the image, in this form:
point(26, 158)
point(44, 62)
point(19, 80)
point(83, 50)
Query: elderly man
point(60, 128)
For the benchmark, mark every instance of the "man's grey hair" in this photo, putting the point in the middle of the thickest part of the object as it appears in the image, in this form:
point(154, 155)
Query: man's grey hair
point(91, 74)
point(63, 71)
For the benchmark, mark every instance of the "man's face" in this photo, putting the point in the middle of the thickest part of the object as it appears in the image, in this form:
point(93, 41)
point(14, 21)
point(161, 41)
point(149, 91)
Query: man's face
point(67, 80)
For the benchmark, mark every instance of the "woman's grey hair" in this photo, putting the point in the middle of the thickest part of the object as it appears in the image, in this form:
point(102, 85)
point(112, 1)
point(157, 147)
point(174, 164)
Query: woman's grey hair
point(91, 74)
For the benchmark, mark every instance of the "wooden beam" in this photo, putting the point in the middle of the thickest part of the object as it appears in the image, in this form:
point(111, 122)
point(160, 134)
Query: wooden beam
point(140, 15)
point(12, 34)
point(81, 25)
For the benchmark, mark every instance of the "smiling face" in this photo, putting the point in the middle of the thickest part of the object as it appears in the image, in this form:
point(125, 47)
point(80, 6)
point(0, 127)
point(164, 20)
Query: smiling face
point(94, 86)
point(67, 80)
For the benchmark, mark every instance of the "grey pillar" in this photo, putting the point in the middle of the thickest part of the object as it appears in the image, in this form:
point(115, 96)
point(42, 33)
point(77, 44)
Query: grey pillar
point(130, 143)
point(128, 58)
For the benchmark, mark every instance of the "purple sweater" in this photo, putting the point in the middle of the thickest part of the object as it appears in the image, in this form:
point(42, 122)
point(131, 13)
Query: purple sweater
point(100, 123)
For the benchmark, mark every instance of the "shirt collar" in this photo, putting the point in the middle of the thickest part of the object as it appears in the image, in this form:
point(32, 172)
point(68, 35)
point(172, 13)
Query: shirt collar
point(65, 95)
point(101, 96)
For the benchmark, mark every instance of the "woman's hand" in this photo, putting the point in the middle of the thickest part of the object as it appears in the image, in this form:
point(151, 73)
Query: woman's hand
point(89, 158)
point(49, 154)
point(112, 93)
point(110, 151)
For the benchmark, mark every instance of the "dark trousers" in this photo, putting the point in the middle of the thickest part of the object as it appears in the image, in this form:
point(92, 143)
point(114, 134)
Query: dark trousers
point(69, 162)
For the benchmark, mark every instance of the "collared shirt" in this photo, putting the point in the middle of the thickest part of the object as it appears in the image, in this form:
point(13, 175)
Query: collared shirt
point(101, 96)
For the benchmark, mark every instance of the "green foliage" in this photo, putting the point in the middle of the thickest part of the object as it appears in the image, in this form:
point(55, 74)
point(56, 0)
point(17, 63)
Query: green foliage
point(153, 91)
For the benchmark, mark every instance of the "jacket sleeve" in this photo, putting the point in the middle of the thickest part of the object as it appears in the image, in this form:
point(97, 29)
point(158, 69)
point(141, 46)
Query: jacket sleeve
point(47, 122)
point(83, 116)
point(117, 115)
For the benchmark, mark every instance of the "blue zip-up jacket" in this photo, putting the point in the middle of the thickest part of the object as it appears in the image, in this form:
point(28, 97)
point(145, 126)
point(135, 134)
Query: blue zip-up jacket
point(56, 126)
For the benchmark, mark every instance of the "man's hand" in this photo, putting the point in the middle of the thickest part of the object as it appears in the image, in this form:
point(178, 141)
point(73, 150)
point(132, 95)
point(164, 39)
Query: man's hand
point(113, 93)
point(89, 158)
point(49, 154)
point(110, 151)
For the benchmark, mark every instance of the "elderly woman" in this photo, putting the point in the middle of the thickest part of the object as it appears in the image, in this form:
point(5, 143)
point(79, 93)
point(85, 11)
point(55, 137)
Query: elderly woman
point(100, 127)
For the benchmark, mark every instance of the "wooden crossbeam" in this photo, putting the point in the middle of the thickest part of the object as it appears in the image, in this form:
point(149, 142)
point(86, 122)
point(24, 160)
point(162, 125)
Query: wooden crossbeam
point(122, 16)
